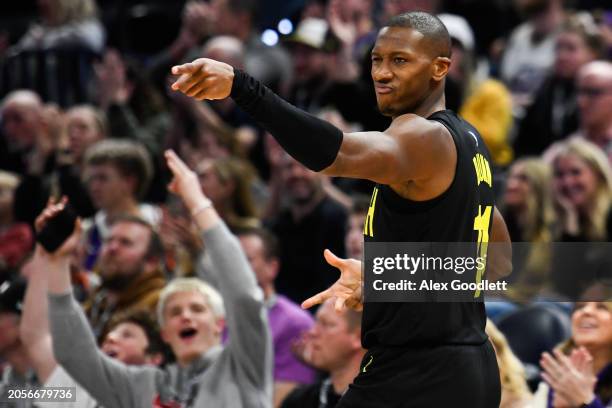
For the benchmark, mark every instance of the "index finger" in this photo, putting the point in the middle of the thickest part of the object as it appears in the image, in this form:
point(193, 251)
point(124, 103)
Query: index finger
point(175, 163)
point(187, 68)
point(316, 299)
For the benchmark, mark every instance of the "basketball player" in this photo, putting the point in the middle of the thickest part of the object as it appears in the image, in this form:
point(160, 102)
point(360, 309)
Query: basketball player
point(434, 184)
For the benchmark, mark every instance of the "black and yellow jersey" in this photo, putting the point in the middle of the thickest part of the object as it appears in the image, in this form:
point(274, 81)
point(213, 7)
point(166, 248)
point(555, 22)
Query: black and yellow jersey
point(463, 213)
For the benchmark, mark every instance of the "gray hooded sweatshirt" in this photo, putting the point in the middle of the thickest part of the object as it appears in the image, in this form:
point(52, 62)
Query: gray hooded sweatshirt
point(234, 376)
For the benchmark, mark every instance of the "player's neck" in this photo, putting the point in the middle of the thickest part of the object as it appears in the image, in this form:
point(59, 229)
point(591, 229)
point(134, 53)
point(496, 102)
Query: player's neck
point(433, 103)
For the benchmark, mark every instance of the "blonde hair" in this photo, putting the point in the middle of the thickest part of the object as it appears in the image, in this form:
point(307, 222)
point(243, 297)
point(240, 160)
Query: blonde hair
point(211, 295)
point(540, 210)
point(511, 370)
point(593, 223)
point(538, 229)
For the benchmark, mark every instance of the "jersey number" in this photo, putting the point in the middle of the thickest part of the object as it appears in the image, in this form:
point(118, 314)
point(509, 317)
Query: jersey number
point(481, 224)
point(368, 225)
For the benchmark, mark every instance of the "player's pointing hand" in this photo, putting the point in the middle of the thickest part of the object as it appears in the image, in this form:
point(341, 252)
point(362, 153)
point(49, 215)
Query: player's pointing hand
point(204, 78)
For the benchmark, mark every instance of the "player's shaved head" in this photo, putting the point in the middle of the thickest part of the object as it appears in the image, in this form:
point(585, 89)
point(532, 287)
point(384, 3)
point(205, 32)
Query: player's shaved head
point(435, 34)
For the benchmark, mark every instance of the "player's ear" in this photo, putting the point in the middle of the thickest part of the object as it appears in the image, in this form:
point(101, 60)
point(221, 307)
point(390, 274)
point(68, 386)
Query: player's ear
point(440, 66)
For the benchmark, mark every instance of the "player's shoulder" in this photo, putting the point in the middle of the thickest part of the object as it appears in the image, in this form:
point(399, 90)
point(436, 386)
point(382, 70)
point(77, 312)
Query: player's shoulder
point(413, 126)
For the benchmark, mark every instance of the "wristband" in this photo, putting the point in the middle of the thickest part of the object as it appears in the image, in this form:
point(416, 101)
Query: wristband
point(196, 211)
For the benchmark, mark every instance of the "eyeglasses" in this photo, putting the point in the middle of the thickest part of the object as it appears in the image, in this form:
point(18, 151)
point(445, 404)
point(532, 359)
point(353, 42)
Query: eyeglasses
point(593, 92)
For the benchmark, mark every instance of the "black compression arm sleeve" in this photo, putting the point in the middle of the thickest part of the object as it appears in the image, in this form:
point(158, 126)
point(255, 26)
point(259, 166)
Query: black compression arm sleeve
point(310, 140)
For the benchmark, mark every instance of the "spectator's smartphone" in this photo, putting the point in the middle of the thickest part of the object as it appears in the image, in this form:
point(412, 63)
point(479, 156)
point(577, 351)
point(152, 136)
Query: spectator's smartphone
point(57, 230)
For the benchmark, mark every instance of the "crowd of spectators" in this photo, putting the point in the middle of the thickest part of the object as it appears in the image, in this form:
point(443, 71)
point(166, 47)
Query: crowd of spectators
point(86, 115)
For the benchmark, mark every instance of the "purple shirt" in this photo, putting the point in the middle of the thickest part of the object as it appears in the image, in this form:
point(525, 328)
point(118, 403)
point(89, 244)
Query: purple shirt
point(287, 322)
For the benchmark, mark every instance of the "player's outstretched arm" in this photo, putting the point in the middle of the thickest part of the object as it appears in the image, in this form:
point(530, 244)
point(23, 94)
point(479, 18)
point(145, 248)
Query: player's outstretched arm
point(406, 151)
point(411, 149)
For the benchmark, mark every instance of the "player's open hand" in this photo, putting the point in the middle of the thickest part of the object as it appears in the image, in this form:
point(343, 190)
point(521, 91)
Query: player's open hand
point(347, 290)
point(204, 78)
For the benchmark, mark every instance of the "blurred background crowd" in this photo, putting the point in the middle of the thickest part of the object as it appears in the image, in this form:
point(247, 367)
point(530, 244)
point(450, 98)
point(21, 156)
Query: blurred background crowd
point(86, 112)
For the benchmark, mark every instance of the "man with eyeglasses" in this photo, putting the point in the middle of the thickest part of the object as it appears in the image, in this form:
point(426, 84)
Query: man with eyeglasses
point(594, 86)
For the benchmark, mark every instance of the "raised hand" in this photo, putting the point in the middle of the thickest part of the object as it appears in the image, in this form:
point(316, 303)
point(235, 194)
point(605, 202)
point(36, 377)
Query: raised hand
point(204, 78)
point(347, 290)
point(185, 182)
point(344, 30)
point(198, 17)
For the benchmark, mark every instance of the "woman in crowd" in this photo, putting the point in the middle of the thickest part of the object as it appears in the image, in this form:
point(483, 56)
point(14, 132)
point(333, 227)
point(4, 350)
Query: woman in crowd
point(530, 215)
point(228, 183)
point(84, 126)
point(579, 372)
point(134, 108)
point(582, 188)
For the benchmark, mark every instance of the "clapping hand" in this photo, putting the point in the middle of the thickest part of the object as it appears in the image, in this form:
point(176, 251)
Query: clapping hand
point(571, 378)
